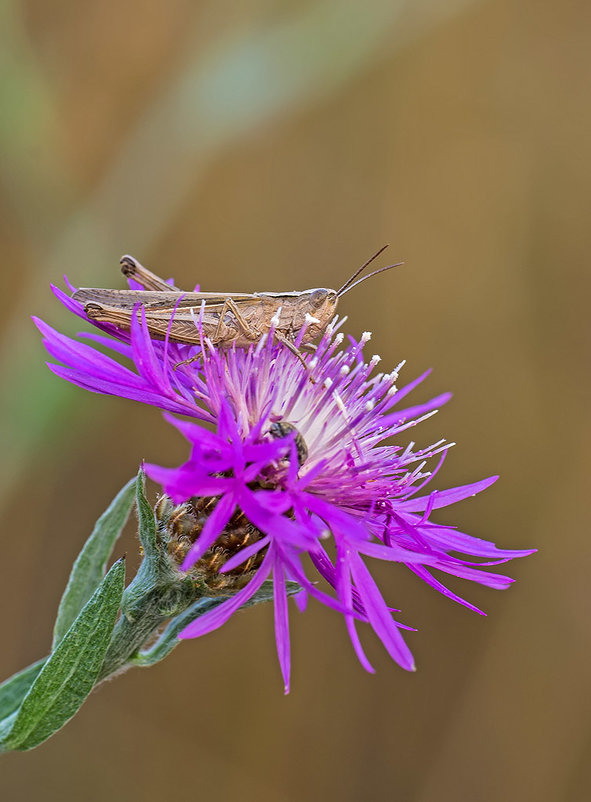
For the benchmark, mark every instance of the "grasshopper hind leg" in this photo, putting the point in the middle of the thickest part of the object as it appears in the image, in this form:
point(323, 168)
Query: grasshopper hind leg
point(131, 268)
point(230, 305)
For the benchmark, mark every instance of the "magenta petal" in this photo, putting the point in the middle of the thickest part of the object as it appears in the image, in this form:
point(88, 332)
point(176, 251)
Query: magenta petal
point(301, 600)
point(78, 355)
point(244, 554)
point(394, 554)
point(281, 622)
point(219, 615)
point(298, 575)
point(408, 388)
point(108, 342)
point(277, 526)
point(71, 305)
point(339, 521)
point(144, 354)
point(110, 387)
point(379, 616)
point(447, 497)
point(427, 577)
point(275, 502)
point(214, 526)
point(345, 592)
point(487, 578)
point(410, 413)
point(181, 484)
point(450, 539)
point(196, 433)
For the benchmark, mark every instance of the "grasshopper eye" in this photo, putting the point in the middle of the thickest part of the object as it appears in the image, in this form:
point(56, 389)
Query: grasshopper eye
point(317, 298)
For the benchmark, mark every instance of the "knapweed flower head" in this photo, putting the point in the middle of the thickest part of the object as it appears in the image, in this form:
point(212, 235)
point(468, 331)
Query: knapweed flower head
point(290, 459)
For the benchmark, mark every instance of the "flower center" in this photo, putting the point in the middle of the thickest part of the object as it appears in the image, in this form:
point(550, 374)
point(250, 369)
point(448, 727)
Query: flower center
point(181, 527)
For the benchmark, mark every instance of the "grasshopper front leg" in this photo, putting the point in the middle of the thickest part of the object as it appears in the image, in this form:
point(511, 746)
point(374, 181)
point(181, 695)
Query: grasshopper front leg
point(229, 305)
point(284, 340)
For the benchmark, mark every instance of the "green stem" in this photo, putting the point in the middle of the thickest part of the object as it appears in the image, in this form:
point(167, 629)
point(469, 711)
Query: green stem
point(143, 616)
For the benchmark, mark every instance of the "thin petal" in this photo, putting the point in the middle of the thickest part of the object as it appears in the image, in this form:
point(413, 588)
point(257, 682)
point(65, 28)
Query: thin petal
point(181, 484)
point(278, 526)
point(281, 621)
point(487, 578)
point(216, 522)
point(447, 497)
point(379, 616)
point(427, 577)
point(417, 411)
point(345, 591)
point(219, 615)
point(408, 388)
point(244, 554)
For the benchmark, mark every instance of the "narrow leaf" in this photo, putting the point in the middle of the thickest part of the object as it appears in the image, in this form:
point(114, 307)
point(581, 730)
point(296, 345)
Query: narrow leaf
point(91, 563)
point(169, 639)
point(14, 689)
point(69, 674)
point(147, 523)
point(266, 592)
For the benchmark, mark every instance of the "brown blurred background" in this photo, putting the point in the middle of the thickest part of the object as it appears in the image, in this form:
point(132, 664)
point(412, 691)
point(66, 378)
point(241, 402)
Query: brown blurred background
point(276, 145)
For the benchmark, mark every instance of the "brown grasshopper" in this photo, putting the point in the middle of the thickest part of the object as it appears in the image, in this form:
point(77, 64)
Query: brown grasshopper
point(225, 318)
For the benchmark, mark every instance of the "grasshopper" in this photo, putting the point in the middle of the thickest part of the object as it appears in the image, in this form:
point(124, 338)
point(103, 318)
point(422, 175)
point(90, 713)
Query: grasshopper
point(226, 318)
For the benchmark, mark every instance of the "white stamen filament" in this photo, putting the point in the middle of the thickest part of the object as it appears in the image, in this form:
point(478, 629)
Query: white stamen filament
point(261, 343)
point(340, 404)
point(397, 369)
point(276, 317)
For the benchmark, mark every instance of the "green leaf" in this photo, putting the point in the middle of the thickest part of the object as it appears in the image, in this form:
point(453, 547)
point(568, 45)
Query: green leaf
point(14, 689)
point(265, 593)
point(169, 639)
point(70, 672)
point(90, 566)
point(147, 523)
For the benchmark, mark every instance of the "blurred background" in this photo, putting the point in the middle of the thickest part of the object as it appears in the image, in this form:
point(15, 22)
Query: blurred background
point(269, 145)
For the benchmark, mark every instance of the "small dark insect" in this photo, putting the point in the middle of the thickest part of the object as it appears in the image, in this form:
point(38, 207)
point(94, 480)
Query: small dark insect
point(281, 429)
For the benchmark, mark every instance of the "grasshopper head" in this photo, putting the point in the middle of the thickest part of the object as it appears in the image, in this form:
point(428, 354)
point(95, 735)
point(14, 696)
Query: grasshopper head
point(320, 308)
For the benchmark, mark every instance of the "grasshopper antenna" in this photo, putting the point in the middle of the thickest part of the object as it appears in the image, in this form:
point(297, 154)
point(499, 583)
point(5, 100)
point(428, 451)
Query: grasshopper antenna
point(360, 270)
point(350, 283)
point(369, 275)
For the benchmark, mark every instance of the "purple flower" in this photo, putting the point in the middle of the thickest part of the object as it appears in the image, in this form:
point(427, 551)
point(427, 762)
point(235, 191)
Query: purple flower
point(298, 453)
